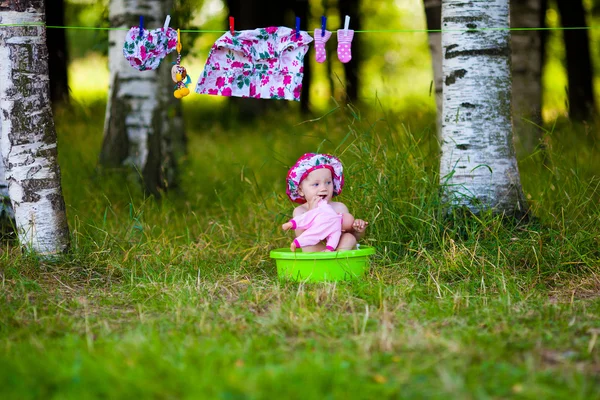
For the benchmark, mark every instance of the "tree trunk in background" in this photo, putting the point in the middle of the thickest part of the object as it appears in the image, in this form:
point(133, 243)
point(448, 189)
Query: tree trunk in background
point(579, 65)
point(140, 115)
point(478, 167)
point(260, 14)
point(7, 215)
point(28, 134)
point(352, 68)
point(57, 51)
point(527, 71)
point(433, 14)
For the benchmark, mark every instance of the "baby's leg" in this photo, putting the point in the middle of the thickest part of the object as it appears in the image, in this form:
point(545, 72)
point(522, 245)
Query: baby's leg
point(332, 240)
point(347, 242)
point(307, 238)
point(315, 248)
point(347, 221)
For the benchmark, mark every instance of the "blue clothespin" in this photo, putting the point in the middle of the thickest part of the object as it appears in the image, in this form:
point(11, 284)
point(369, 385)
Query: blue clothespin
point(297, 27)
point(323, 25)
point(141, 25)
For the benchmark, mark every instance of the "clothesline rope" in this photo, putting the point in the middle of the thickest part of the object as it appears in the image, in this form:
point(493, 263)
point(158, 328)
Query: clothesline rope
point(94, 28)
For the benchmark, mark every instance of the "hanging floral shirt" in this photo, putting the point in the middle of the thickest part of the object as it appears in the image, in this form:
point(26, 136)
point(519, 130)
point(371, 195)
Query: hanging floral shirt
point(265, 63)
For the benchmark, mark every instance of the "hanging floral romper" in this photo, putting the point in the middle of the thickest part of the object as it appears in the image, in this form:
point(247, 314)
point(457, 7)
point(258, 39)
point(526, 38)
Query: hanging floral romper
point(265, 63)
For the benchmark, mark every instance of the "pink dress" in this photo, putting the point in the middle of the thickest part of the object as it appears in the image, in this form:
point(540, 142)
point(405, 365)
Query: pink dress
point(319, 223)
point(265, 63)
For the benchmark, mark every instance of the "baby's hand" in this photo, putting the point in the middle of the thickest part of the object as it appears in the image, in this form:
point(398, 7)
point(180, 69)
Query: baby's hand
point(314, 203)
point(359, 225)
point(286, 226)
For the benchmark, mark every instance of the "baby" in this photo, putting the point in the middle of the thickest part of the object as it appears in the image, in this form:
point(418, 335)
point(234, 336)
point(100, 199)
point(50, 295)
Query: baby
point(312, 182)
point(319, 223)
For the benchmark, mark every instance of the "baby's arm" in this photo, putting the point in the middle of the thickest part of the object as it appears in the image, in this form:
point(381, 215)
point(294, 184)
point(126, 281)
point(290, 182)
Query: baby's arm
point(304, 221)
point(358, 226)
point(296, 221)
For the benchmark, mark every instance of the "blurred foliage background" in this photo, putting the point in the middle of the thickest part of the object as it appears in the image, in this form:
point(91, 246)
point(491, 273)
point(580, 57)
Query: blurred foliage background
point(396, 67)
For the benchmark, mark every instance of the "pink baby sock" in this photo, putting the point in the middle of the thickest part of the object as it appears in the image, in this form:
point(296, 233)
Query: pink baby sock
point(320, 44)
point(344, 41)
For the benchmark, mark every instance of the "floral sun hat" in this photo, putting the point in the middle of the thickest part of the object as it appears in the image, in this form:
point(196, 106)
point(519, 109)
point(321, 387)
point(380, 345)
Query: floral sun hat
point(308, 163)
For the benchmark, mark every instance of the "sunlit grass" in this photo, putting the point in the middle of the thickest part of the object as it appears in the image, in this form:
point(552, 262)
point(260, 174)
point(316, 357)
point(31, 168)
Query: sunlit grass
point(178, 298)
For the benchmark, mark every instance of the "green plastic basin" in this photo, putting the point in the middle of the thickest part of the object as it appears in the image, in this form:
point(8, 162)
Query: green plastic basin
point(322, 266)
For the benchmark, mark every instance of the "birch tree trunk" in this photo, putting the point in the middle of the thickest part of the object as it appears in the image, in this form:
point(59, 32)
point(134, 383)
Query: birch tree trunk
point(433, 14)
point(478, 167)
point(527, 71)
point(7, 214)
point(140, 114)
point(28, 139)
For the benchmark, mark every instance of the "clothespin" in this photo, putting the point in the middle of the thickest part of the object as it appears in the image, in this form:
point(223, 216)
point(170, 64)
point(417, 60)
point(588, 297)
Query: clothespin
point(346, 25)
point(167, 22)
point(297, 27)
point(178, 42)
point(231, 25)
point(141, 25)
point(323, 25)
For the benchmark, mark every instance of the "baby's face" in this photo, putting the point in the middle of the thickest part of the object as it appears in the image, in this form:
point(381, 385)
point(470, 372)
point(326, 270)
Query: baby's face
point(318, 183)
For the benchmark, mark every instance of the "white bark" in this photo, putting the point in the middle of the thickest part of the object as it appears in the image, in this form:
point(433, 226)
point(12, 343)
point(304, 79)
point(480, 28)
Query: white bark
point(478, 167)
point(28, 139)
point(6, 211)
point(135, 91)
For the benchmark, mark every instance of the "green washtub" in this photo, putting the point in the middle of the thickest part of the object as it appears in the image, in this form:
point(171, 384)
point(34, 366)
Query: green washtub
point(322, 266)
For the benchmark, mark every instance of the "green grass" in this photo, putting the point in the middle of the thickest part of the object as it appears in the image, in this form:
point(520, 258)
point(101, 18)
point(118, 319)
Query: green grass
point(178, 298)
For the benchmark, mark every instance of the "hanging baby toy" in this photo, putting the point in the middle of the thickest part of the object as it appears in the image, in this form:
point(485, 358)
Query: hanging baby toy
point(179, 74)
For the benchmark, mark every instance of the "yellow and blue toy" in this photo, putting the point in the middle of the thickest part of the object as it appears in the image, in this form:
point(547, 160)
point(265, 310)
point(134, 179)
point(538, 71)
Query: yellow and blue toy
point(179, 74)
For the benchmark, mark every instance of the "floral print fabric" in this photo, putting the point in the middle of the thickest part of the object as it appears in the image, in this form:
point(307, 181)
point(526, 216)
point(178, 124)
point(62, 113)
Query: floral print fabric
point(147, 51)
point(308, 163)
point(264, 63)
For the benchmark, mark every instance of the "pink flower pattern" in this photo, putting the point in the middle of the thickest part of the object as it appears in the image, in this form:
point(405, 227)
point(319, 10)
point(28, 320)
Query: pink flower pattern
point(308, 163)
point(265, 63)
point(147, 51)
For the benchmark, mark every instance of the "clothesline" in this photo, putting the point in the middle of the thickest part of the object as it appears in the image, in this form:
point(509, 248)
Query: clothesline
point(93, 28)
